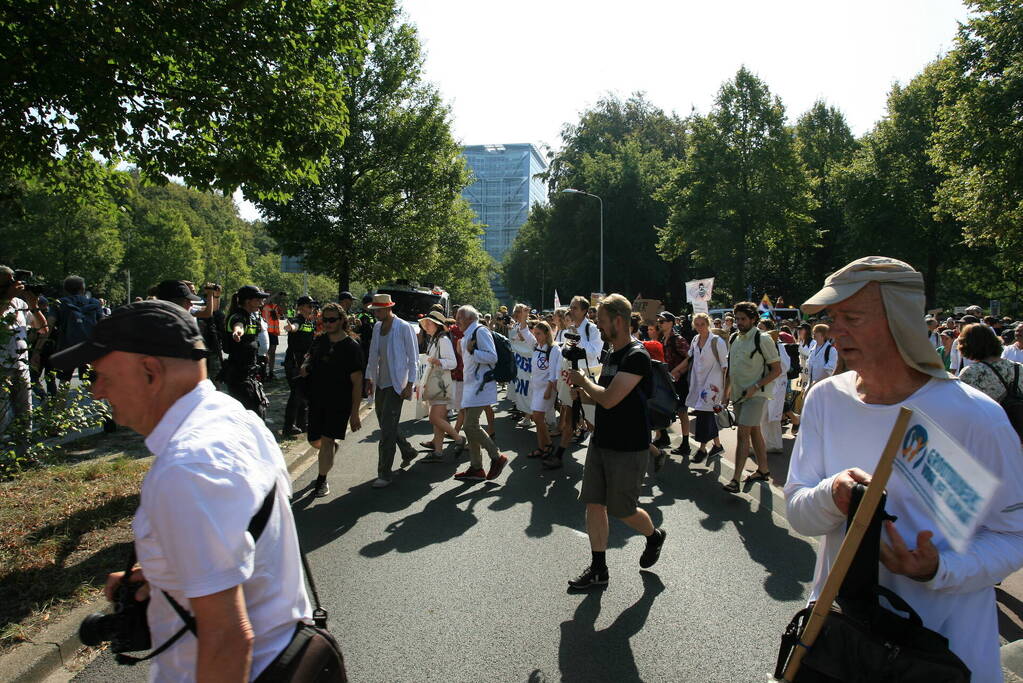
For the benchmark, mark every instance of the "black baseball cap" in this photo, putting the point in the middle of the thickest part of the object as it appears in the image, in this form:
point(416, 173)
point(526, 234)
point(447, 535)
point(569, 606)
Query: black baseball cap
point(246, 292)
point(345, 296)
point(303, 300)
point(152, 327)
point(665, 315)
point(171, 290)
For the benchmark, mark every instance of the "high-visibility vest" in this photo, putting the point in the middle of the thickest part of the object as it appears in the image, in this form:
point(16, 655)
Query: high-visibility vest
point(272, 316)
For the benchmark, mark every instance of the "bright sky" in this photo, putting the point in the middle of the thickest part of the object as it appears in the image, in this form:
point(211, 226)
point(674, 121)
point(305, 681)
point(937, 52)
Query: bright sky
point(518, 70)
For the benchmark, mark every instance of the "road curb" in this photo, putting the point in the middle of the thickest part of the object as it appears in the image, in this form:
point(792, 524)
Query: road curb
point(34, 661)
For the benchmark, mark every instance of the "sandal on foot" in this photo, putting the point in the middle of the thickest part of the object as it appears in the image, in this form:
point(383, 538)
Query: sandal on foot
point(759, 476)
point(538, 453)
point(731, 487)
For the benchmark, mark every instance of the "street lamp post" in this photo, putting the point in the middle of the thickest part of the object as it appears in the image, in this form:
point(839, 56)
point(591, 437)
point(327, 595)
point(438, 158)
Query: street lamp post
point(570, 190)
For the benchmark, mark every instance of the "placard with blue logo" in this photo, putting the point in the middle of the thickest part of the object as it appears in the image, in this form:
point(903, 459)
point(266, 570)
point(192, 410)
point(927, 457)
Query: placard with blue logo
point(954, 487)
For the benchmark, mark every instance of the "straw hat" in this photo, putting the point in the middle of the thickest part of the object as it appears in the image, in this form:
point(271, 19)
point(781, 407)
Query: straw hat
point(434, 317)
point(381, 301)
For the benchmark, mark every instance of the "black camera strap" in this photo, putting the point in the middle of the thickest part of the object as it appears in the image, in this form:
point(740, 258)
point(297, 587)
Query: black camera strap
point(256, 526)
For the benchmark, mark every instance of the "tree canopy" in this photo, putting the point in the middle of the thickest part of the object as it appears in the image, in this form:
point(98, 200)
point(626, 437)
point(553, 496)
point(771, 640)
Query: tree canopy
point(220, 93)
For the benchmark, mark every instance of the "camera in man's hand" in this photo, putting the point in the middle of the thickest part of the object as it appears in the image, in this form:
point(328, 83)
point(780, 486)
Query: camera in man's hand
point(126, 628)
point(572, 352)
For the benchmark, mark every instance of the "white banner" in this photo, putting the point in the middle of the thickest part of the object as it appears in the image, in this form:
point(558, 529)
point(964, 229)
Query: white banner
point(954, 487)
point(557, 301)
point(699, 291)
point(700, 307)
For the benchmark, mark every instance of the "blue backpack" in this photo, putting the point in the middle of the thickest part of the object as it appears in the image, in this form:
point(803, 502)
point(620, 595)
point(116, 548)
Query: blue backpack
point(76, 319)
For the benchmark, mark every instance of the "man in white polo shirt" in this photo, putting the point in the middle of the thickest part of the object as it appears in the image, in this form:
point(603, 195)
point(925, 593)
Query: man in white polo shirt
point(216, 465)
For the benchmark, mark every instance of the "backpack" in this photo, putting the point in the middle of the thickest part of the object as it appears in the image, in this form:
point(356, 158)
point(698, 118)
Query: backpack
point(1012, 402)
point(76, 321)
point(795, 366)
point(504, 369)
point(662, 403)
point(755, 351)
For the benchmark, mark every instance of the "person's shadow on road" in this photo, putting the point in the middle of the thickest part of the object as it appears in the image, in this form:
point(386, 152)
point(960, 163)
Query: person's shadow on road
point(586, 654)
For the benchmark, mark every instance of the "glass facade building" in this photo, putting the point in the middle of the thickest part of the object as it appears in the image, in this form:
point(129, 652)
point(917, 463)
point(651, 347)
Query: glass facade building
point(504, 188)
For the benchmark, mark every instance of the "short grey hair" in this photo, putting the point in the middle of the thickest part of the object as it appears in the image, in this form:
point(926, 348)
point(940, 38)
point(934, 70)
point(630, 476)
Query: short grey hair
point(469, 312)
point(8, 270)
point(74, 284)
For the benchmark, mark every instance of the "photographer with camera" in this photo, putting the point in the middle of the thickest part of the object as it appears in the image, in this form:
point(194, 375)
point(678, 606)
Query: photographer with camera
point(222, 593)
point(617, 456)
point(19, 310)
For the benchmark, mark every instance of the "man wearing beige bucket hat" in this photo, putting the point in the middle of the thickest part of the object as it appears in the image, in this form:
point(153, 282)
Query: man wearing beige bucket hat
point(876, 305)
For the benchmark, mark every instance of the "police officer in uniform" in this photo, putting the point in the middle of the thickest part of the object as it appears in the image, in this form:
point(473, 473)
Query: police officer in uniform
point(301, 330)
point(241, 367)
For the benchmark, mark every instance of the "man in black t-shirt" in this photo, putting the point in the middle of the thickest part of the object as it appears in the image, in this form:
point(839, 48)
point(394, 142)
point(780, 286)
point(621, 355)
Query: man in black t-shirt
point(616, 460)
point(300, 330)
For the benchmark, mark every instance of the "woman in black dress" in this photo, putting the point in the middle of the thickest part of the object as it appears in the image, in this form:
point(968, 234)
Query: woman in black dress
point(333, 372)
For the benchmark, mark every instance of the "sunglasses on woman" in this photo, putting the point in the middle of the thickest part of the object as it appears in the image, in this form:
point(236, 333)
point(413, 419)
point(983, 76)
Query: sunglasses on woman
point(331, 320)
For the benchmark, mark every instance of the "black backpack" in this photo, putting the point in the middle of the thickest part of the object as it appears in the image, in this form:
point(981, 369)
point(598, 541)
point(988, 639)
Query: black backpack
point(504, 369)
point(795, 363)
point(1012, 402)
point(662, 402)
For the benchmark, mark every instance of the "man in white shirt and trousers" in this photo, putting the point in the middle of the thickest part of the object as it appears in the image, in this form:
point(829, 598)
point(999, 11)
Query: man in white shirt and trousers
point(216, 465)
point(391, 368)
point(876, 304)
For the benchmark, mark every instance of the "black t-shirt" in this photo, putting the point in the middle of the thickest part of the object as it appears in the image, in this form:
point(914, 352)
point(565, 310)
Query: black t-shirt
point(331, 365)
point(301, 340)
point(625, 427)
point(242, 352)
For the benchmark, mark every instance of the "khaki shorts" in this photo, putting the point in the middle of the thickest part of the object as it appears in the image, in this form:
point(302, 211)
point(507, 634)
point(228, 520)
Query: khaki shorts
point(614, 479)
point(750, 412)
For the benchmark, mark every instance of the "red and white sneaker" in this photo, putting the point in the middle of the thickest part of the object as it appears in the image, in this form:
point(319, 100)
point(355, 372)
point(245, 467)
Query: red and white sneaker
point(471, 475)
point(496, 465)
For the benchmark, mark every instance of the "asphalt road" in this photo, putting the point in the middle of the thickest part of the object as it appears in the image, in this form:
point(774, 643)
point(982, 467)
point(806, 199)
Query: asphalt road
point(433, 580)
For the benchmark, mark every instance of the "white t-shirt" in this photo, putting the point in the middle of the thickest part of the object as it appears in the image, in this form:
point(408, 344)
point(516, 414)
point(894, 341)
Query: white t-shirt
point(839, 431)
point(215, 463)
point(16, 318)
point(707, 374)
point(1013, 352)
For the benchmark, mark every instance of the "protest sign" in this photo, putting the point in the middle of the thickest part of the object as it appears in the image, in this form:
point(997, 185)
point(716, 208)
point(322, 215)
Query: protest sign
point(595, 298)
point(557, 300)
point(648, 308)
point(699, 291)
point(955, 488)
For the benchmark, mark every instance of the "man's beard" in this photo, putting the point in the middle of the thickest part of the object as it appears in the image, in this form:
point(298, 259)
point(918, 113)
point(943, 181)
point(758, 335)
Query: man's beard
point(603, 336)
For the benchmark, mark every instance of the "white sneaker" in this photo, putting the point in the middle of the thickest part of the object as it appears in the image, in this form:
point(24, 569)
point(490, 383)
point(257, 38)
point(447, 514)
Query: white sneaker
point(525, 422)
point(380, 483)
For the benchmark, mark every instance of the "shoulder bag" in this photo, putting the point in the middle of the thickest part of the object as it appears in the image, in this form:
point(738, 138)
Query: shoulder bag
point(1012, 402)
point(437, 386)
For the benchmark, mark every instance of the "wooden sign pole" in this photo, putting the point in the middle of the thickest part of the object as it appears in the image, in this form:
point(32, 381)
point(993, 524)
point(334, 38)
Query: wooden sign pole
point(853, 537)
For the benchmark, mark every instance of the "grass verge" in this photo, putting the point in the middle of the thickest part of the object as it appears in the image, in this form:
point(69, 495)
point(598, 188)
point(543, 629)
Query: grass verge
point(62, 530)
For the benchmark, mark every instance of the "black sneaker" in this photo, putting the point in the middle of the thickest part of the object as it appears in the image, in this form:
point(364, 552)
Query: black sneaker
point(653, 549)
point(683, 449)
point(663, 440)
point(589, 578)
point(699, 455)
point(322, 489)
point(715, 451)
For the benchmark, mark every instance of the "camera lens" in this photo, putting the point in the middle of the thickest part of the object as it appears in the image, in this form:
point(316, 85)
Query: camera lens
point(96, 629)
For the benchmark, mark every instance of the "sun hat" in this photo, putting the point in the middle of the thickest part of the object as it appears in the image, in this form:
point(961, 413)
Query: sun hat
point(902, 291)
point(381, 301)
point(436, 317)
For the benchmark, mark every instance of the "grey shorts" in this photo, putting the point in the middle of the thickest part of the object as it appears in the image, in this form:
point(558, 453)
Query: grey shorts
point(750, 412)
point(614, 479)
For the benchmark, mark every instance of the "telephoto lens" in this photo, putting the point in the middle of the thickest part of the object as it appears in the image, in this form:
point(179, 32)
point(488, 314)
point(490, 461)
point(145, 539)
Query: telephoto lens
point(126, 628)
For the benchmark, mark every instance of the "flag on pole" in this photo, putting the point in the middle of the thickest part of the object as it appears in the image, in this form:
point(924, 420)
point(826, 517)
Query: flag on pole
point(557, 301)
point(766, 307)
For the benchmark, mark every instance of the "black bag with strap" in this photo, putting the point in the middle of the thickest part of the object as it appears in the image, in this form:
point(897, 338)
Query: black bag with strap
point(864, 642)
point(1012, 402)
point(312, 655)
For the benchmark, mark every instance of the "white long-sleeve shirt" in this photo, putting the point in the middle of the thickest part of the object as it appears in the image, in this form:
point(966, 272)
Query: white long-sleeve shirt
point(475, 391)
point(402, 349)
point(522, 339)
point(443, 350)
point(839, 431)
